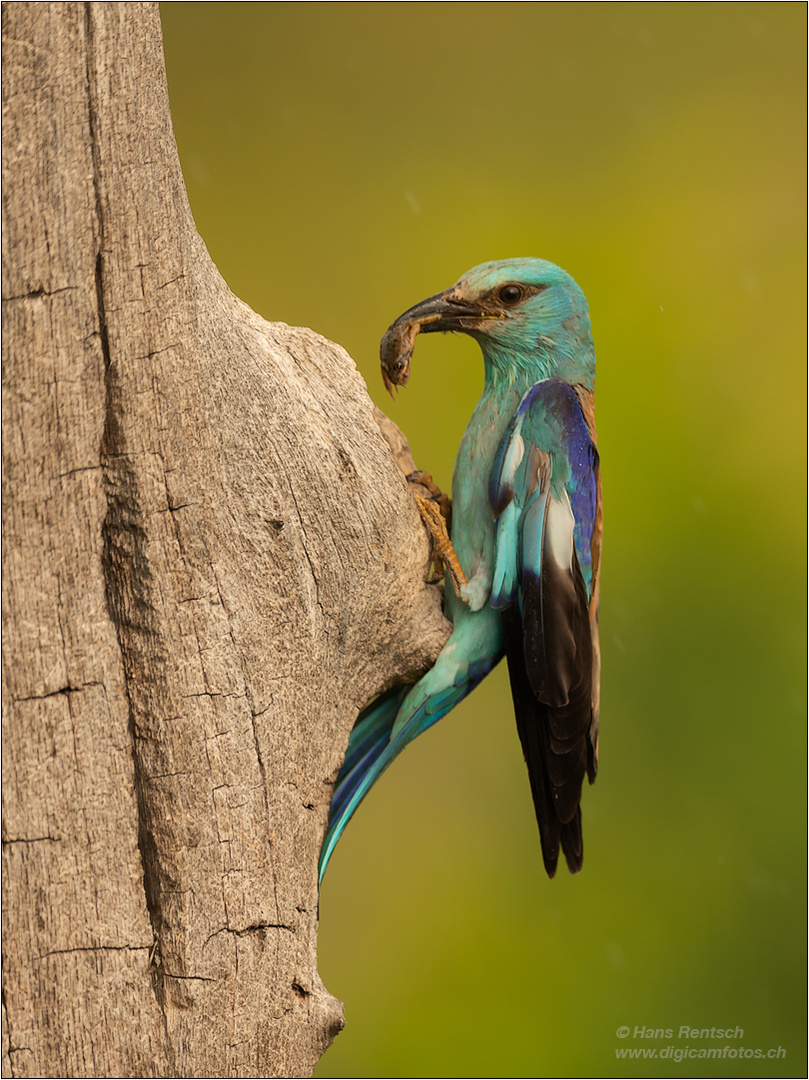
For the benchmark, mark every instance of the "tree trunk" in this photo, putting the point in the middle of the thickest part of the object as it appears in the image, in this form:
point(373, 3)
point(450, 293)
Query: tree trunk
point(210, 563)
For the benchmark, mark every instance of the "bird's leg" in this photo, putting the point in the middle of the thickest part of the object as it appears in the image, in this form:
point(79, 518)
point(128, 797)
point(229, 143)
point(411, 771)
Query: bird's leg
point(443, 551)
point(435, 512)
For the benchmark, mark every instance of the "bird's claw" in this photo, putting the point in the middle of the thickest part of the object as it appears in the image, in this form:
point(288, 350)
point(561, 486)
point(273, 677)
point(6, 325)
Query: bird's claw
point(443, 550)
point(422, 483)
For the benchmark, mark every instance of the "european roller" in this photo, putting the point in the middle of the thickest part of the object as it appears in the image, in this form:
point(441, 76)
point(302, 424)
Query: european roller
point(525, 546)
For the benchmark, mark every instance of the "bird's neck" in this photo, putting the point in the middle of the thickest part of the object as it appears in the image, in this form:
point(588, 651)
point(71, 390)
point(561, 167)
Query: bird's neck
point(509, 371)
point(517, 370)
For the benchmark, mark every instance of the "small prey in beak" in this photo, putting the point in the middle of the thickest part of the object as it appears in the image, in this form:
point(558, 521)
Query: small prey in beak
point(437, 314)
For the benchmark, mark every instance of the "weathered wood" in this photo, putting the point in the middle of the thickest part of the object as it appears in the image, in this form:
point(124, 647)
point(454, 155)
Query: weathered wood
point(210, 563)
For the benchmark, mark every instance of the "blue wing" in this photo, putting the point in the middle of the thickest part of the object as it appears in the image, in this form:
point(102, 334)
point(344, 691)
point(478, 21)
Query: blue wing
point(544, 493)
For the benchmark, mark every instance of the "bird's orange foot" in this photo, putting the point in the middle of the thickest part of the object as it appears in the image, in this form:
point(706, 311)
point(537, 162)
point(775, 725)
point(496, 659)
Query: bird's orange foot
point(443, 551)
point(422, 483)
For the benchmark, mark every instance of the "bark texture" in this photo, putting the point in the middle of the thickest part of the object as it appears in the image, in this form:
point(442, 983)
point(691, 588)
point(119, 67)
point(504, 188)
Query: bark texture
point(211, 562)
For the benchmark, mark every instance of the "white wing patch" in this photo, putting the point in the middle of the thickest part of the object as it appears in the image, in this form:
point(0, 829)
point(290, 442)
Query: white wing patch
point(513, 457)
point(559, 531)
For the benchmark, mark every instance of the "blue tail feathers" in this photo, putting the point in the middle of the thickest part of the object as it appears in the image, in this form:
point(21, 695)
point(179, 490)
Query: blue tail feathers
point(373, 744)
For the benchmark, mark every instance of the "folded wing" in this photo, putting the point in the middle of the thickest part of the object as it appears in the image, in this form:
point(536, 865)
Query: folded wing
point(544, 493)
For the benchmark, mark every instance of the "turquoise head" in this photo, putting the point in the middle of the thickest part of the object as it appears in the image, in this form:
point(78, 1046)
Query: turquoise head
point(528, 315)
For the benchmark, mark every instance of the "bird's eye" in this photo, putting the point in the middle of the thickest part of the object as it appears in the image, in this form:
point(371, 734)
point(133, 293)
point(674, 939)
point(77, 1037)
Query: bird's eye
point(510, 294)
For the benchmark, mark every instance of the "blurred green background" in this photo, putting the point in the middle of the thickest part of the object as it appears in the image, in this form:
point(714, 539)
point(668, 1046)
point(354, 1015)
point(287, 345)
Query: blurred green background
point(345, 160)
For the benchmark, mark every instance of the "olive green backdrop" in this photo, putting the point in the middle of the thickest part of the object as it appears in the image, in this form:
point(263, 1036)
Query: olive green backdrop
point(343, 161)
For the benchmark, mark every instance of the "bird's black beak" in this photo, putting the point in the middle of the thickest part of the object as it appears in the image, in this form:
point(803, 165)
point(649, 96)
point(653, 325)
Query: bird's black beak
point(441, 312)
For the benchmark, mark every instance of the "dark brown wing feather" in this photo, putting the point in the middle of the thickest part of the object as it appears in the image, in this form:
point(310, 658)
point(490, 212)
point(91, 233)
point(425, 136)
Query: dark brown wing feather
point(550, 663)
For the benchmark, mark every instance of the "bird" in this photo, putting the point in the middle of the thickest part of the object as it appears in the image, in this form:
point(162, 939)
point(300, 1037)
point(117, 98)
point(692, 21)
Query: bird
point(524, 551)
